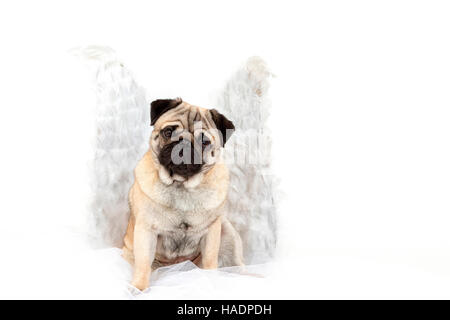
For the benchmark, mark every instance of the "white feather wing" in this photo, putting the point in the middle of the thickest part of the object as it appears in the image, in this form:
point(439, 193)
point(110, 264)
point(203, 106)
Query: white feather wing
point(251, 201)
point(122, 124)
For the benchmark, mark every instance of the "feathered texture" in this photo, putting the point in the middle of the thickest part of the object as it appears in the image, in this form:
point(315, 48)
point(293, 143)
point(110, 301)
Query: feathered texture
point(122, 124)
point(251, 200)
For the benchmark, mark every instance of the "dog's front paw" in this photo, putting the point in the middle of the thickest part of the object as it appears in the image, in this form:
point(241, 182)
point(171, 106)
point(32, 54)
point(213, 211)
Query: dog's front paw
point(141, 283)
point(209, 264)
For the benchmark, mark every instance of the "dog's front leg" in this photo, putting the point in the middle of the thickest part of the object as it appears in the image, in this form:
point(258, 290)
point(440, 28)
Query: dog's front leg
point(211, 245)
point(144, 247)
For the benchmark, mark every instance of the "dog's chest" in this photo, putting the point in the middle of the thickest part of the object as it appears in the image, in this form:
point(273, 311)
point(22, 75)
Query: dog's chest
point(181, 232)
point(177, 210)
point(178, 243)
point(185, 200)
point(178, 221)
point(181, 216)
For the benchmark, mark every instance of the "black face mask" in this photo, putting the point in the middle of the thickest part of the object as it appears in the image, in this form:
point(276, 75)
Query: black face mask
point(185, 170)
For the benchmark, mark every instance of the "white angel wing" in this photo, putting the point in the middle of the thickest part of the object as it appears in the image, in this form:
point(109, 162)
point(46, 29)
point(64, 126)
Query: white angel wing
point(251, 200)
point(122, 122)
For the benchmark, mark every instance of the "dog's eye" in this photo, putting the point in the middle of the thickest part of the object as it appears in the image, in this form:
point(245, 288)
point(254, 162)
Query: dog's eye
point(167, 132)
point(205, 140)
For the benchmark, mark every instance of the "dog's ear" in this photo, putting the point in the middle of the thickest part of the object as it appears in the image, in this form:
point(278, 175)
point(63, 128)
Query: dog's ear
point(160, 106)
point(225, 126)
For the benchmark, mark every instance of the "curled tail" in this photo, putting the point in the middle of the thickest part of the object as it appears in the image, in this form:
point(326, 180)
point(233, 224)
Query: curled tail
point(122, 129)
point(251, 200)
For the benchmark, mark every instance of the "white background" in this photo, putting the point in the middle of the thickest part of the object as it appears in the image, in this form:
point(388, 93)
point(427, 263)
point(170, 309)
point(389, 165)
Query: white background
point(361, 114)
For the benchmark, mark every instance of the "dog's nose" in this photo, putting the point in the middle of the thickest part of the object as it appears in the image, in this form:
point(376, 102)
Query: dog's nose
point(184, 145)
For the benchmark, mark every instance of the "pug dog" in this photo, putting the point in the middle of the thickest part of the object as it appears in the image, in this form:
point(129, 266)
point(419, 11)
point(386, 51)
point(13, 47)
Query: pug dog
point(178, 199)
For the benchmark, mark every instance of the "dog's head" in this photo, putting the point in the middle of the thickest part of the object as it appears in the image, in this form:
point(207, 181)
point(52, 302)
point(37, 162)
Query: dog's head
point(186, 140)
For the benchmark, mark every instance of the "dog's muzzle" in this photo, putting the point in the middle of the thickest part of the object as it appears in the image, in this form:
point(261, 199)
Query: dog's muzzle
point(181, 158)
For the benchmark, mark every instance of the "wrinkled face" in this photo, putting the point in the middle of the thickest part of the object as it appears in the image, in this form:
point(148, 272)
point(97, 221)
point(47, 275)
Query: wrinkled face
point(186, 140)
